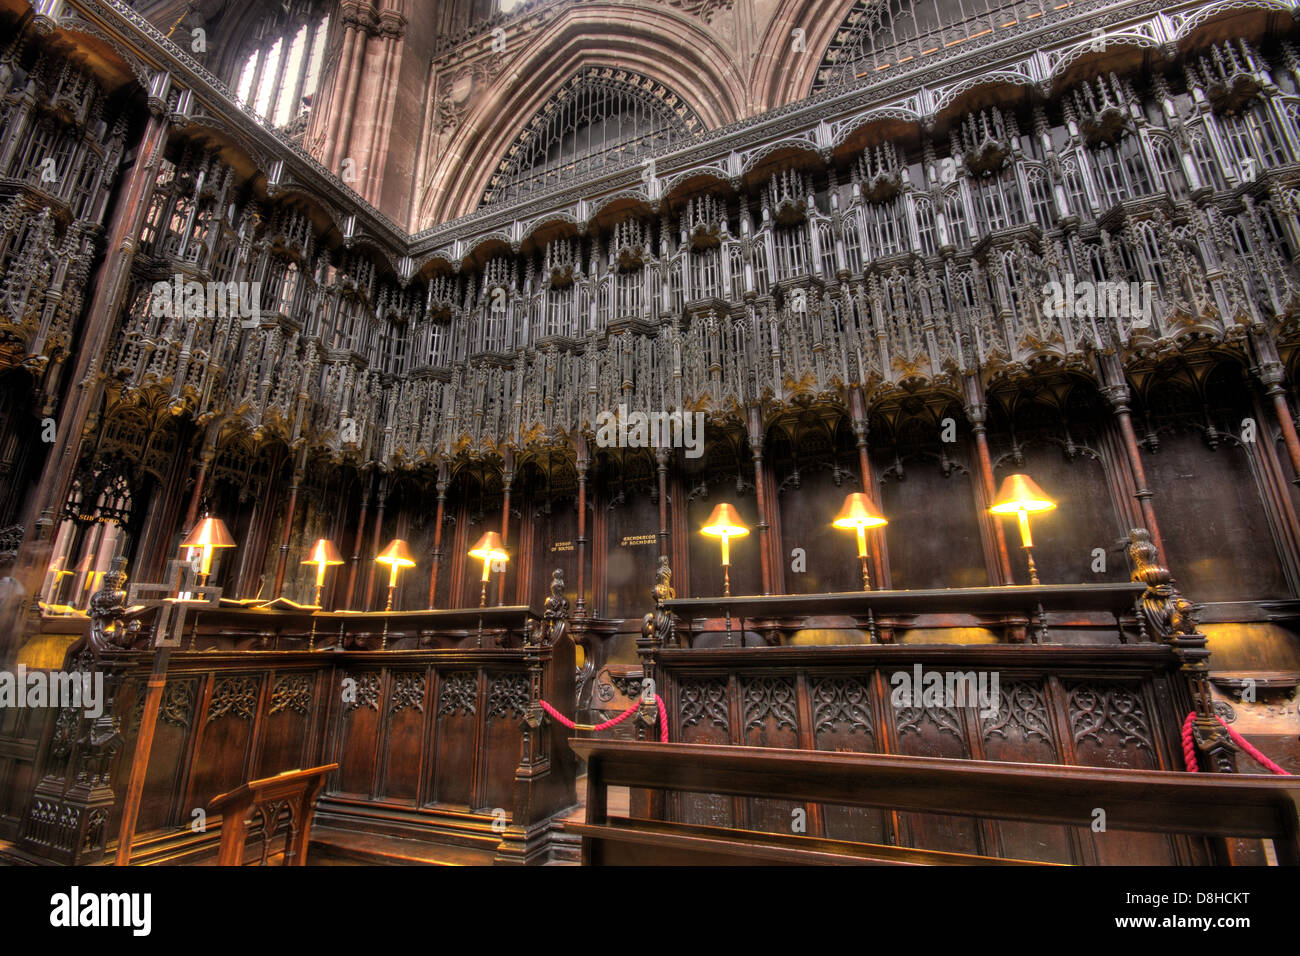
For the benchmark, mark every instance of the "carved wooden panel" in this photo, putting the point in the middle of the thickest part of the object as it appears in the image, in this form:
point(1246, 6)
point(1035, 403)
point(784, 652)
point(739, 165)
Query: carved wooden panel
point(172, 734)
point(225, 740)
point(1021, 732)
point(287, 725)
point(770, 718)
point(404, 734)
point(703, 716)
point(507, 699)
point(1111, 727)
point(456, 764)
point(358, 736)
point(935, 731)
point(843, 720)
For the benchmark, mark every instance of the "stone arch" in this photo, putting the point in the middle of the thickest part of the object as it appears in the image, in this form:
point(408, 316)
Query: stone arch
point(660, 44)
point(780, 75)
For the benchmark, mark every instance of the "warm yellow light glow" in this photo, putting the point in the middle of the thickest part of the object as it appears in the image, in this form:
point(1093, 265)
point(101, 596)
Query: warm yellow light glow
point(1020, 493)
point(489, 548)
point(323, 555)
point(724, 523)
point(397, 556)
point(1021, 496)
point(208, 535)
point(859, 514)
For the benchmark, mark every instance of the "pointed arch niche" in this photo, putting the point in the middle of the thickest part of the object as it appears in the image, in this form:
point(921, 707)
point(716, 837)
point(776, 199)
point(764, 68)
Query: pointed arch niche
point(602, 117)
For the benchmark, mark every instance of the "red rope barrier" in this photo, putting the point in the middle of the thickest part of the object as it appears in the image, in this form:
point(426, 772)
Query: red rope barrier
point(1189, 749)
point(613, 721)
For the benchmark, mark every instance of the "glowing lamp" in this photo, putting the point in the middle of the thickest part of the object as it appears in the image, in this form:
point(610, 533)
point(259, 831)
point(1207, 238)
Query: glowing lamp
point(397, 556)
point(725, 523)
point(860, 514)
point(206, 536)
point(489, 549)
point(323, 555)
point(1020, 496)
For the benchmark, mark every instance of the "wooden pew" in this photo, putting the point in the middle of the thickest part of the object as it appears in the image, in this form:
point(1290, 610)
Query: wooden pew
point(294, 790)
point(1215, 806)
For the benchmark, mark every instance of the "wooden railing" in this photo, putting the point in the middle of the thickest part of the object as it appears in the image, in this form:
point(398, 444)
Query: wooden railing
point(1196, 813)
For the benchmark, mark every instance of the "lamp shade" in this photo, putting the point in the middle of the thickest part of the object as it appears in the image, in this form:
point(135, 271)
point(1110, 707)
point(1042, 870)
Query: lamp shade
point(323, 552)
point(209, 533)
point(859, 512)
point(490, 548)
point(1020, 493)
point(724, 523)
point(396, 555)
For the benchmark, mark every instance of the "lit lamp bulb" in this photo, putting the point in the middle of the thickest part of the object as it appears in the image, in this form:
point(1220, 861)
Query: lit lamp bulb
point(725, 523)
point(323, 555)
point(1020, 496)
point(397, 556)
point(489, 548)
point(860, 514)
point(205, 537)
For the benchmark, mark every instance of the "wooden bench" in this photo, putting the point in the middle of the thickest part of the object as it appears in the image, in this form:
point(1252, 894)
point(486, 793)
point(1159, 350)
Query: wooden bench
point(1215, 806)
point(293, 790)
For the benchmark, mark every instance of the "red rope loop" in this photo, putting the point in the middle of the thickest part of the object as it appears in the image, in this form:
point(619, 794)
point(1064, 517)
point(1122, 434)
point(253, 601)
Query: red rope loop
point(613, 721)
point(1189, 748)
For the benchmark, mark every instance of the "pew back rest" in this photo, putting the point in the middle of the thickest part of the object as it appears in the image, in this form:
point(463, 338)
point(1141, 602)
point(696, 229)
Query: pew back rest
point(294, 792)
point(1208, 805)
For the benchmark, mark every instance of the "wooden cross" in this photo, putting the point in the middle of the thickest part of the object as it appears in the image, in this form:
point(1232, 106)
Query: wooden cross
point(174, 598)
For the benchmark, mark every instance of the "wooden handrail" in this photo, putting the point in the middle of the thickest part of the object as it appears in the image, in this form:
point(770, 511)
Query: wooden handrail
point(1115, 599)
point(1215, 805)
point(295, 789)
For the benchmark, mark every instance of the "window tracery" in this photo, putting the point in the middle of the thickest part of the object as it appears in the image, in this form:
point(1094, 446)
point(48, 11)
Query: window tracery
point(602, 117)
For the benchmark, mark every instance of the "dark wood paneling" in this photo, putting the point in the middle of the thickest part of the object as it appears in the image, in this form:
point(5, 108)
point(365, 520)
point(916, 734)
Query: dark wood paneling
point(918, 556)
point(1022, 732)
point(844, 719)
point(294, 698)
point(631, 553)
point(457, 717)
point(706, 552)
point(703, 716)
point(221, 761)
point(359, 735)
point(769, 718)
point(1211, 496)
point(404, 735)
point(830, 554)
